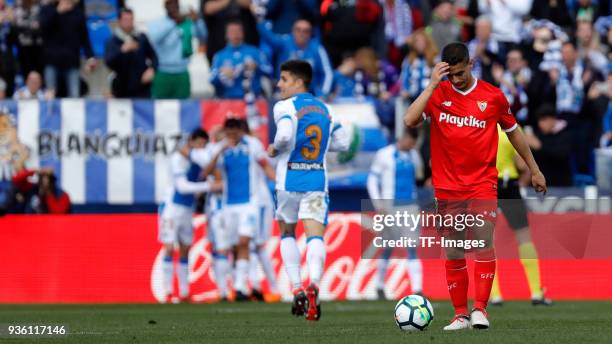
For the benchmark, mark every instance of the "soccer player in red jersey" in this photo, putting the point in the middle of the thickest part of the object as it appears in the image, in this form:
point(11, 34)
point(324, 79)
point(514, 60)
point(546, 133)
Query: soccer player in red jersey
point(464, 113)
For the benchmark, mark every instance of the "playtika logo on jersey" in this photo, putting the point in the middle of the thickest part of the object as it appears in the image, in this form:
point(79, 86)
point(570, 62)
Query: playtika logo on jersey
point(459, 121)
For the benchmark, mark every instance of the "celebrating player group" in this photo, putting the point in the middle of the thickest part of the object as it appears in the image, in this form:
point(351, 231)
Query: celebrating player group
point(238, 168)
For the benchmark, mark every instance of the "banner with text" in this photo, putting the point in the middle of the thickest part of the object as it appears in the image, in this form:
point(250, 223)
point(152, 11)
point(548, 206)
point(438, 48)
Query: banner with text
point(116, 259)
point(107, 152)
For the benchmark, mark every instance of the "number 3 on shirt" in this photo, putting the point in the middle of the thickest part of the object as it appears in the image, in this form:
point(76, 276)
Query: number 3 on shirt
point(315, 134)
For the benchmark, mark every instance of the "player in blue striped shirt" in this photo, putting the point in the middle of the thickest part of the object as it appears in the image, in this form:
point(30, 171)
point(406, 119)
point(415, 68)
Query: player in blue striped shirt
point(238, 156)
point(176, 213)
point(306, 130)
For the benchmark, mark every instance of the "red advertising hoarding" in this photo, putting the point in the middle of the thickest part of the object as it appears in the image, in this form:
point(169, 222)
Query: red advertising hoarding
point(116, 259)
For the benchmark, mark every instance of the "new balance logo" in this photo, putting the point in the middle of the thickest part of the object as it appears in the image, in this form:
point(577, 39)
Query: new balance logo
point(447, 103)
point(462, 121)
point(491, 213)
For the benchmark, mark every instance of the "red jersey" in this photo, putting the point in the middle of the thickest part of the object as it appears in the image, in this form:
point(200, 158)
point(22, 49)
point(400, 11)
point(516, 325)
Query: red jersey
point(464, 136)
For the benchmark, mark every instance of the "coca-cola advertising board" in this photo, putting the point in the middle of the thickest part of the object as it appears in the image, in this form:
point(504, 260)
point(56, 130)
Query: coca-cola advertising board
point(116, 259)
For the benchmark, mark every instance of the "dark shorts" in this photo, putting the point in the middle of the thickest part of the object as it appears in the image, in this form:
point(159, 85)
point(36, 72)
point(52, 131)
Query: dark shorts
point(171, 86)
point(512, 204)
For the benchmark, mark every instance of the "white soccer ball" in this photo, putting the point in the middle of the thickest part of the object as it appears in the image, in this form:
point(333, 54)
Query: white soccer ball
point(413, 313)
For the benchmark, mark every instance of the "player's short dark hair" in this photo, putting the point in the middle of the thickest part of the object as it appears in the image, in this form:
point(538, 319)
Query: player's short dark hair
point(299, 69)
point(546, 110)
point(455, 53)
point(244, 125)
point(232, 123)
point(412, 132)
point(198, 133)
point(125, 10)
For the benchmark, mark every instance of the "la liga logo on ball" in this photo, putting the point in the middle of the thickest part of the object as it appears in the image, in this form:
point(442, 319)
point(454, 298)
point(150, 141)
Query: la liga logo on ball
point(413, 313)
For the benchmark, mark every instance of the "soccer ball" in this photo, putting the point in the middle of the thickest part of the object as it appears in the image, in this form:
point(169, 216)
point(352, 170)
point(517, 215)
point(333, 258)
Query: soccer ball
point(413, 313)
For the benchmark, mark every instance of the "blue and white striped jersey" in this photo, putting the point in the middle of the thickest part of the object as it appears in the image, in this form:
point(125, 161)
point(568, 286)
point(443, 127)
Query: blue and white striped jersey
point(182, 168)
point(306, 131)
point(393, 175)
point(239, 168)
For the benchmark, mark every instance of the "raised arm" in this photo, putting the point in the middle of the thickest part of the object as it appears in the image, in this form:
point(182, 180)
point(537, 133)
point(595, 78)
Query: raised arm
point(519, 7)
point(215, 6)
point(200, 156)
point(212, 165)
point(199, 30)
point(84, 33)
point(414, 114)
point(159, 30)
point(268, 36)
point(325, 73)
point(48, 18)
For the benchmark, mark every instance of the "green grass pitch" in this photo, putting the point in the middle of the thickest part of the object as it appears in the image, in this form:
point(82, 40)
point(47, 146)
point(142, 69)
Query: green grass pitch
point(342, 322)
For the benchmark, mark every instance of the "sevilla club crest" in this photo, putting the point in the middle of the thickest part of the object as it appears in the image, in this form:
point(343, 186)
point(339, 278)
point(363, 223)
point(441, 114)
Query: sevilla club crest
point(482, 105)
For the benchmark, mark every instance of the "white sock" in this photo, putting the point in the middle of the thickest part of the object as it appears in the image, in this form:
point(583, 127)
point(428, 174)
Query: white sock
point(183, 277)
point(381, 271)
point(291, 258)
point(242, 271)
point(222, 268)
point(315, 257)
point(415, 271)
point(254, 271)
point(266, 264)
point(168, 273)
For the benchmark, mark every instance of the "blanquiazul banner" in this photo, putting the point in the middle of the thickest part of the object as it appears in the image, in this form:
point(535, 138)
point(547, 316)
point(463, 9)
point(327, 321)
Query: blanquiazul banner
point(109, 151)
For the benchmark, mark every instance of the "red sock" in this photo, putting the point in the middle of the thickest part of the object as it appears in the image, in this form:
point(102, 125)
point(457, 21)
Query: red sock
point(484, 272)
point(457, 281)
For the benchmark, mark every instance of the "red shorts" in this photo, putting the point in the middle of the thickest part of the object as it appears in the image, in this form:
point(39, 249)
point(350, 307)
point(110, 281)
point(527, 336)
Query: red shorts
point(475, 202)
point(480, 193)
